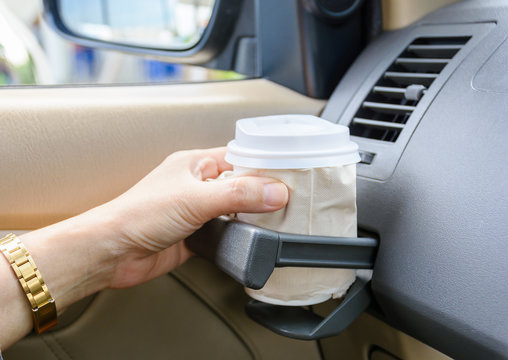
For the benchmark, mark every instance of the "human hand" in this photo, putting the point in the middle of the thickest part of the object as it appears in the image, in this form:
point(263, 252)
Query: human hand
point(135, 237)
point(173, 201)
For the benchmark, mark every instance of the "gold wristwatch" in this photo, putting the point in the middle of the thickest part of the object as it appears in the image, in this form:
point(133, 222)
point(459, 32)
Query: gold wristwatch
point(43, 305)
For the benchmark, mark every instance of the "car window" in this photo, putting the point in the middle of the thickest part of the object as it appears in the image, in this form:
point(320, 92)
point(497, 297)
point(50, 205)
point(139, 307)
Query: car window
point(31, 53)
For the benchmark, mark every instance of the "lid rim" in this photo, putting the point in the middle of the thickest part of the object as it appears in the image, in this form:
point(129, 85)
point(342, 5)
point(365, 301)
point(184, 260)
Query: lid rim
point(291, 142)
point(293, 163)
point(233, 147)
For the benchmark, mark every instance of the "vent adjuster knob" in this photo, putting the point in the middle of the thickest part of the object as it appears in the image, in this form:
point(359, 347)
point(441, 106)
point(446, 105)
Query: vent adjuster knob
point(414, 92)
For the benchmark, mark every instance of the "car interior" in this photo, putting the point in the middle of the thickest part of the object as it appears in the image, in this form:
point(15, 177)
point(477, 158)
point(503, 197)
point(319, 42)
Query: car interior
point(422, 86)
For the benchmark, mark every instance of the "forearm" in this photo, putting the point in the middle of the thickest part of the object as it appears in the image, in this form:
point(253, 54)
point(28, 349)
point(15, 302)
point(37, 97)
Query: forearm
point(74, 260)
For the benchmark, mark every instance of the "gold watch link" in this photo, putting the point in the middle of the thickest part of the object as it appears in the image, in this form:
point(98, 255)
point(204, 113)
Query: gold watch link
point(41, 302)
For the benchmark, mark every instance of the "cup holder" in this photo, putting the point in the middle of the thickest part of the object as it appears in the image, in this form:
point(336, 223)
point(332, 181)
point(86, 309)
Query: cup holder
point(249, 255)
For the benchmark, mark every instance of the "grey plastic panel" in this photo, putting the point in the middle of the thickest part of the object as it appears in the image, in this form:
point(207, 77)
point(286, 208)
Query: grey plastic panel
point(302, 52)
point(492, 76)
point(388, 154)
point(442, 216)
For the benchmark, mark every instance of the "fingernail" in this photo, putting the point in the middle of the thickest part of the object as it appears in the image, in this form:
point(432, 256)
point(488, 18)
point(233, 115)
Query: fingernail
point(275, 194)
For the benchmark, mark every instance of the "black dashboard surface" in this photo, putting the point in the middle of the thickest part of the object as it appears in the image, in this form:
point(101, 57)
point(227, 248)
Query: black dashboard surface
point(441, 274)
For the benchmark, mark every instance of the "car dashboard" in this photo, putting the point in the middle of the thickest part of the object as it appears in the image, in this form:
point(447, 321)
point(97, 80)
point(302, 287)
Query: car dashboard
point(427, 105)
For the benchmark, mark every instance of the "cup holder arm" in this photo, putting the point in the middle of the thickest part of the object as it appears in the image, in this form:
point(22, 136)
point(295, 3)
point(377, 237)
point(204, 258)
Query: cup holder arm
point(300, 323)
point(250, 253)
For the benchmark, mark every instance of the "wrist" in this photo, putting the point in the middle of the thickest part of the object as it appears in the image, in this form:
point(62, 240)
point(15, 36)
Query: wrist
point(76, 257)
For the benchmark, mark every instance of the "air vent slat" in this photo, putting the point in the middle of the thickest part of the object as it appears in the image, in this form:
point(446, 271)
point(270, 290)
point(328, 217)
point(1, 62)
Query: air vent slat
point(409, 78)
point(397, 93)
point(388, 108)
point(392, 92)
point(423, 65)
point(378, 124)
point(435, 51)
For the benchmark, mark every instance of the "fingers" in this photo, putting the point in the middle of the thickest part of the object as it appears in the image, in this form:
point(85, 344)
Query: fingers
point(209, 163)
point(218, 155)
point(248, 194)
point(206, 168)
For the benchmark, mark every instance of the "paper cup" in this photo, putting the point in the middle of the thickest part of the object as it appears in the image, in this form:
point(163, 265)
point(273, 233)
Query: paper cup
point(317, 162)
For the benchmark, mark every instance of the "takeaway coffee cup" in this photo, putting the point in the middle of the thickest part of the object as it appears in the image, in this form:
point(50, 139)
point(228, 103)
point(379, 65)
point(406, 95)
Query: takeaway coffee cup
point(317, 161)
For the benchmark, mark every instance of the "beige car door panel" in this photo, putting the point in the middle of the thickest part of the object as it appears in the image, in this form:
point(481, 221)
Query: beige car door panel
point(65, 150)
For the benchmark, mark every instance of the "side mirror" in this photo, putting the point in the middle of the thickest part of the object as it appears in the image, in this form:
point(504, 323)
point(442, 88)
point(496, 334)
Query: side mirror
point(189, 31)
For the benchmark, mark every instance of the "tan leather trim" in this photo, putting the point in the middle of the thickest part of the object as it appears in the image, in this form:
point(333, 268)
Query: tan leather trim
point(157, 320)
point(197, 313)
point(227, 299)
point(400, 13)
point(65, 150)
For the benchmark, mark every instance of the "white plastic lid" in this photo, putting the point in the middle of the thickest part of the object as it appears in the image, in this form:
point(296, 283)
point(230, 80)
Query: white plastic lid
point(290, 142)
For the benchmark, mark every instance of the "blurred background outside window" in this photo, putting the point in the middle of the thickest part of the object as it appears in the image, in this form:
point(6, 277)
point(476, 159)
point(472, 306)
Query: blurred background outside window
point(31, 53)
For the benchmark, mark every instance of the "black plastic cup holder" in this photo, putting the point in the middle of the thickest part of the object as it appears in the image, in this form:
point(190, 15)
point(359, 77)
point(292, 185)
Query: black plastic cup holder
point(249, 255)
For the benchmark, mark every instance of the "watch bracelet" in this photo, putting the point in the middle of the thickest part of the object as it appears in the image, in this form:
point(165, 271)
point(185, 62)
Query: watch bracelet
point(41, 302)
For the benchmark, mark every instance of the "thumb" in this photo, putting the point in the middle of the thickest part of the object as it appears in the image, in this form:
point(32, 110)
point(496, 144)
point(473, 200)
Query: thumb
point(247, 194)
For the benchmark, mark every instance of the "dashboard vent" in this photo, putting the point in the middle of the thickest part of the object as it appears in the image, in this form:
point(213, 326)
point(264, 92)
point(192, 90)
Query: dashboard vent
point(389, 104)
